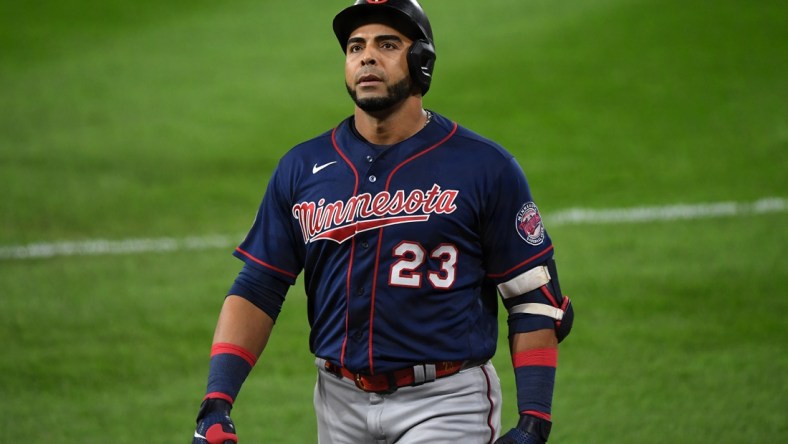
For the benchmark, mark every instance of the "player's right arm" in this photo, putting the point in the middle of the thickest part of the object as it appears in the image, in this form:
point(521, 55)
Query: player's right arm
point(241, 334)
point(242, 331)
point(272, 253)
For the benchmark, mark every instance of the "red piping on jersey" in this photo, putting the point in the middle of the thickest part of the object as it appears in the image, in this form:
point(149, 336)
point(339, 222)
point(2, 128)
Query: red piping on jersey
point(530, 259)
point(380, 236)
point(352, 250)
point(449, 136)
point(266, 265)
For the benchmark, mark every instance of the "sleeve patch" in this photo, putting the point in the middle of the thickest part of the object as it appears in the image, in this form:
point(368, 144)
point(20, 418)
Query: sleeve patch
point(529, 224)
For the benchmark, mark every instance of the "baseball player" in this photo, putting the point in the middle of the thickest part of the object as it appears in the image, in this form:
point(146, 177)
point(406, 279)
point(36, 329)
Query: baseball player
point(407, 227)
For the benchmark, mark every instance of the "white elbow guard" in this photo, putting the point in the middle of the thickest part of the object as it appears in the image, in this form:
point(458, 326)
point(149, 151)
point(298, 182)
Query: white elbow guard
point(536, 292)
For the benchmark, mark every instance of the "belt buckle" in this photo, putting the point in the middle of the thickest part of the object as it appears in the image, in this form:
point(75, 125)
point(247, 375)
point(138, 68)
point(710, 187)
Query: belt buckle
point(359, 382)
point(358, 378)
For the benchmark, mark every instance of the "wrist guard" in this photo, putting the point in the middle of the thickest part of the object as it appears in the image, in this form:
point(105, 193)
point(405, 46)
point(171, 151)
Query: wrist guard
point(535, 426)
point(212, 405)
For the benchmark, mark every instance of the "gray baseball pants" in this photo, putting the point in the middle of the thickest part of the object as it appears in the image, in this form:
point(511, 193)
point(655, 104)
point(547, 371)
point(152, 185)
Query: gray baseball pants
point(464, 408)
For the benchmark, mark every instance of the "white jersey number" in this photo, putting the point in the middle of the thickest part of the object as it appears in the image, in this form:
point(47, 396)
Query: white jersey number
point(404, 272)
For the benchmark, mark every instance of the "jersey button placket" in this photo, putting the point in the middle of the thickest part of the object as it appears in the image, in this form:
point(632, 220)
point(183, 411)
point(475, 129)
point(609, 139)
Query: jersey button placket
point(375, 175)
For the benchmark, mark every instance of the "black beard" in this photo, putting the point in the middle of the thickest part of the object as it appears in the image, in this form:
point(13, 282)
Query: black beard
point(396, 93)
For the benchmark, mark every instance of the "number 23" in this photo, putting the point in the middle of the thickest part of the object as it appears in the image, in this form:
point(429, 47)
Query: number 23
point(412, 256)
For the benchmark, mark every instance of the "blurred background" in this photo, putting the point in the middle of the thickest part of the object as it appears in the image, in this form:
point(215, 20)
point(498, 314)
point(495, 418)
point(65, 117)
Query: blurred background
point(137, 138)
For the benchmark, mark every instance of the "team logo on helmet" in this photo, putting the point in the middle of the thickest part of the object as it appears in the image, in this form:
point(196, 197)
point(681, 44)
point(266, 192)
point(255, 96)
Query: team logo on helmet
point(529, 224)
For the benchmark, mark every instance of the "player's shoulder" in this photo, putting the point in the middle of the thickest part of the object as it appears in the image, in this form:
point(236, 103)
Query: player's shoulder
point(480, 145)
point(293, 165)
point(316, 143)
point(298, 158)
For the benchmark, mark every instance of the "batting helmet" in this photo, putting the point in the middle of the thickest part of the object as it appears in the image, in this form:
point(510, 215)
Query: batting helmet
point(404, 15)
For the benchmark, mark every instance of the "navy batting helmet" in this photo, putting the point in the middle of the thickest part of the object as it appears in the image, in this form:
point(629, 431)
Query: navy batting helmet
point(404, 15)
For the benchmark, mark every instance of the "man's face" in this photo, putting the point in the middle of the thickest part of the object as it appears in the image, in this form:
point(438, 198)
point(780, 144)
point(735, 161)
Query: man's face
point(376, 67)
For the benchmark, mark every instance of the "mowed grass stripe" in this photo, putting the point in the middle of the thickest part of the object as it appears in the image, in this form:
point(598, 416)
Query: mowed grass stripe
point(570, 216)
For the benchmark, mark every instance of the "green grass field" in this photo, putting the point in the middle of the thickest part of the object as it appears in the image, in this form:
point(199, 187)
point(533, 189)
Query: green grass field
point(145, 119)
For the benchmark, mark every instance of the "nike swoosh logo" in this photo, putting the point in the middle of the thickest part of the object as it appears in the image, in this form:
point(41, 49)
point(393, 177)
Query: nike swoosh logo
point(198, 436)
point(316, 169)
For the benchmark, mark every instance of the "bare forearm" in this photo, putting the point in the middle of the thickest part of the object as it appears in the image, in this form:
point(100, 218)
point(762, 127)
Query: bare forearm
point(539, 339)
point(243, 324)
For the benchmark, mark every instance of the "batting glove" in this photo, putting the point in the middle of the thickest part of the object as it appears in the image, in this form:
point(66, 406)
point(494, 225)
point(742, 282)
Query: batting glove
point(214, 425)
point(529, 430)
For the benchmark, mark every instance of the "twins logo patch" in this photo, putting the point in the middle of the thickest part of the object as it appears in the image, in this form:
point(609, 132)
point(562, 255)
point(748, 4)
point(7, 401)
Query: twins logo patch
point(529, 224)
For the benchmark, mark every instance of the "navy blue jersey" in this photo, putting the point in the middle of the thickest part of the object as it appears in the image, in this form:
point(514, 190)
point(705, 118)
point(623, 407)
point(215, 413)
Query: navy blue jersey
point(401, 248)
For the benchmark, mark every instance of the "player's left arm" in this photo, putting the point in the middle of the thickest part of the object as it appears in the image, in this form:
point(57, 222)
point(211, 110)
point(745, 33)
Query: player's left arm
point(540, 316)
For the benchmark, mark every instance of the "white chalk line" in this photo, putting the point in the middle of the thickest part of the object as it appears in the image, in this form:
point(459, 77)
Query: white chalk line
point(571, 216)
point(98, 247)
point(666, 213)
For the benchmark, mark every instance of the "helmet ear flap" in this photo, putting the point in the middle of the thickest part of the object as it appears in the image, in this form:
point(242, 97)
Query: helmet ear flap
point(421, 62)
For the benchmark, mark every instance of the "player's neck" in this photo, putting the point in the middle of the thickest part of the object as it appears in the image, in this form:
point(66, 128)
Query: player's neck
point(392, 125)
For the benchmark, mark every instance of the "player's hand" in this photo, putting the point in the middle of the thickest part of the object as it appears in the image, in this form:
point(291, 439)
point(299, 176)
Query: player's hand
point(214, 425)
point(529, 430)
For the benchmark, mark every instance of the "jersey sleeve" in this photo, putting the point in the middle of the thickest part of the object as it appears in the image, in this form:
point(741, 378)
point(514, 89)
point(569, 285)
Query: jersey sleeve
point(513, 234)
point(271, 245)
